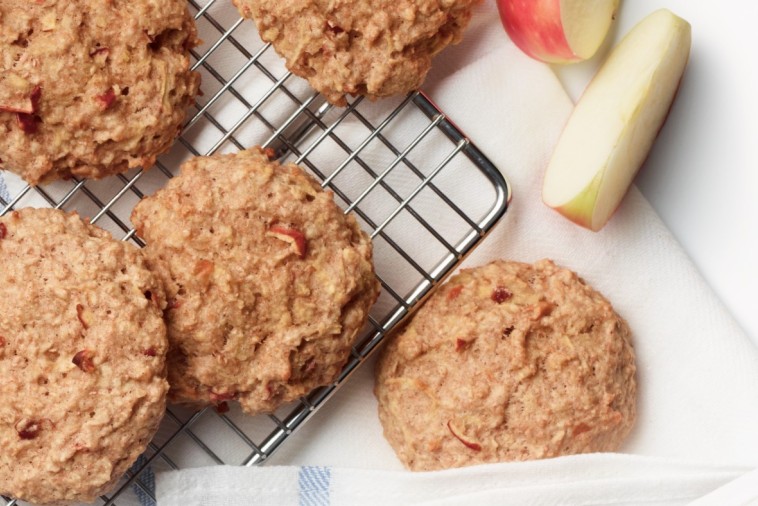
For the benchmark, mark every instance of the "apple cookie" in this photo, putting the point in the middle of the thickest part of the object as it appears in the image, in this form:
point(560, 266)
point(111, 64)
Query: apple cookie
point(362, 47)
point(82, 357)
point(508, 361)
point(91, 88)
point(268, 281)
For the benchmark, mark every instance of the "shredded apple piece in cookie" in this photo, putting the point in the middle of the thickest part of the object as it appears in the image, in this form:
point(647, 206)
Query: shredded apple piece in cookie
point(28, 428)
point(474, 446)
point(83, 360)
point(295, 238)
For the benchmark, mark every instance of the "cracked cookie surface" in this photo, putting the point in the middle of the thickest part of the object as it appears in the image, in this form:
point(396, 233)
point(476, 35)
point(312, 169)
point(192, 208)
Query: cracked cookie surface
point(359, 47)
point(507, 361)
point(92, 88)
point(82, 357)
point(269, 282)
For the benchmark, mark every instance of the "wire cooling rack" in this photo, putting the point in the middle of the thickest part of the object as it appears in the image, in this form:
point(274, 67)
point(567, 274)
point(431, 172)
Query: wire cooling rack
point(400, 165)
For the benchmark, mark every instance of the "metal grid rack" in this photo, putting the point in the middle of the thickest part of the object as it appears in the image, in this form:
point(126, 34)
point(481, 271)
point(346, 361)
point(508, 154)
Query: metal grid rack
point(400, 165)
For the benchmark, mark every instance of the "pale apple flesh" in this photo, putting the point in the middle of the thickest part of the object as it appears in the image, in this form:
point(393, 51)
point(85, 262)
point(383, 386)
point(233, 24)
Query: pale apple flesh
point(615, 122)
point(558, 31)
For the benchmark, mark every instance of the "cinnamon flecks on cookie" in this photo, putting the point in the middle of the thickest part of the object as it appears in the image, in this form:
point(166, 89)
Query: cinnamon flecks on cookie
point(91, 88)
point(268, 281)
point(507, 361)
point(78, 401)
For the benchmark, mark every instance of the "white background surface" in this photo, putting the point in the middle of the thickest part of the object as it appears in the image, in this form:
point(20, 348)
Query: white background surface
point(702, 175)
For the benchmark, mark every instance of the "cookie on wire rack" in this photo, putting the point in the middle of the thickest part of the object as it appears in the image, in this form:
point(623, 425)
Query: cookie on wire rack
point(508, 361)
point(362, 47)
point(90, 88)
point(269, 282)
point(82, 357)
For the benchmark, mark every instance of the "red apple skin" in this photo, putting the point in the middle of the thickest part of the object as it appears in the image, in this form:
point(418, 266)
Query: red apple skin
point(27, 123)
point(294, 237)
point(31, 108)
point(14, 110)
point(535, 27)
point(106, 99)
point(34, 98)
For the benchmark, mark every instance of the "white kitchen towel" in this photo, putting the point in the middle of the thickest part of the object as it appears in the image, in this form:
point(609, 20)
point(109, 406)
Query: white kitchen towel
point(581, 480)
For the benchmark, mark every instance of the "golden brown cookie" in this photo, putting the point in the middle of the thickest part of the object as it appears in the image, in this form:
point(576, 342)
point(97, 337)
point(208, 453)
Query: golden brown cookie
point(359, 47)
point(82, 357)
point(268, 281)
point(92, 88)
point(508, 361)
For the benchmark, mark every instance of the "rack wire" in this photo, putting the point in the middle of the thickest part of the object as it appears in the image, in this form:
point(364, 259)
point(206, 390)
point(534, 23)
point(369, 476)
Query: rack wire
point(400, 165)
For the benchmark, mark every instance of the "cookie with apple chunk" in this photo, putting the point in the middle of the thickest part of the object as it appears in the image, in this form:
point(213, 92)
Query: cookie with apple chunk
point(90, 88)
point(269, 282)
point(507, 361)
point(361, 47)
point(82, 357)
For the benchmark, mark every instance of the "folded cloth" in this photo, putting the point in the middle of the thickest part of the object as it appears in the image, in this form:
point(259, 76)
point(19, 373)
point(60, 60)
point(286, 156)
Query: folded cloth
point(742, 491)
point(595, 479)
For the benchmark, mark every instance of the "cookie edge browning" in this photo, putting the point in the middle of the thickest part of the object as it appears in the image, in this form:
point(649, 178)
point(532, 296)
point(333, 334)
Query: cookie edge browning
point(424, 50)
point(353, 315)
point(152, 409)
point(405, 445)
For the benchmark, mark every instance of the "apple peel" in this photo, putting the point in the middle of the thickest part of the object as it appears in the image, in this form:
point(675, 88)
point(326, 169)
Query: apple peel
point(615, 122)
point(469, 444)
point(558, 31)
point(84, 361)
point(295, 238)
point(106, 99)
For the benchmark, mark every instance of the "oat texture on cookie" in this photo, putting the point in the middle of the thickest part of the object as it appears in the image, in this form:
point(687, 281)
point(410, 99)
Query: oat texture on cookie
point(82, 357)
point(507, 361)
point(359, 47)
point(90, 88)
point(268, 281)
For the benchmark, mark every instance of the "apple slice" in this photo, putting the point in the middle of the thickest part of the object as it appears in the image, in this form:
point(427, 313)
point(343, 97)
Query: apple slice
point(615, 122)
point(558, 31)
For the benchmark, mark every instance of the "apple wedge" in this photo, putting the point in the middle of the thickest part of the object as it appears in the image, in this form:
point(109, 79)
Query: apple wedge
point(557, 31)
point(614, 123)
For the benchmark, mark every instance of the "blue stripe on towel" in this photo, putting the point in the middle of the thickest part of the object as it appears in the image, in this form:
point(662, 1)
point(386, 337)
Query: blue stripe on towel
point(313, 483)
point(4, 190)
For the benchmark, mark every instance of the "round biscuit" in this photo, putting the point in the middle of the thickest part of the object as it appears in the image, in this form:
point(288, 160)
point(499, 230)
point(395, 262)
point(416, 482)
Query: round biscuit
point(362, 47)
point(82, 357)
point(507, 361)
point(91, 88)
point(269, 282)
